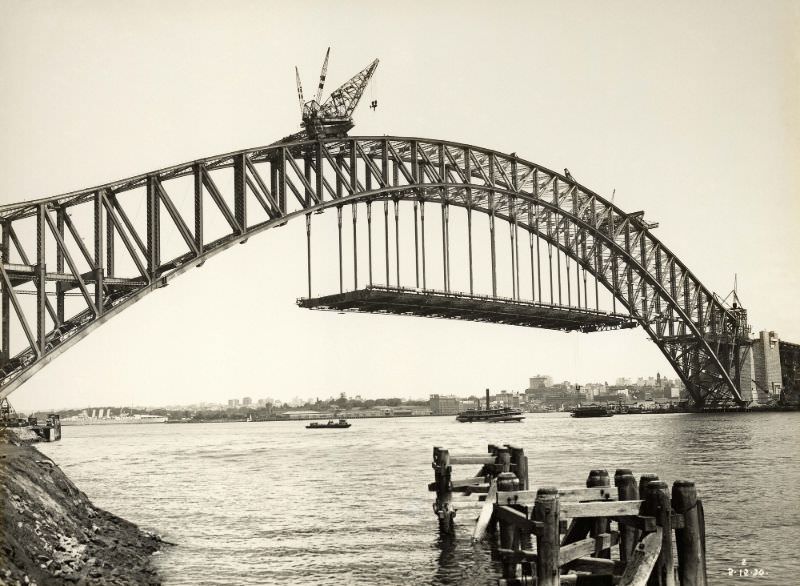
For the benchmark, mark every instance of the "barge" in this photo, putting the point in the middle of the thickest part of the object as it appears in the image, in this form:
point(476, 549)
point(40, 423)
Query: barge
point(341, 424)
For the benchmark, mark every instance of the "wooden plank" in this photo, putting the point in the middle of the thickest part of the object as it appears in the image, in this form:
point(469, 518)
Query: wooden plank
point(587, 546)
point(487, 508)
point(640, 522)
point(586, 580)
point(596, 566)
point(600, 509)
point(455, 460)
point(475, 488)
point(467, 481)
point(518, 555)
point(517, 518)
point(527, 497)
point(642, 560)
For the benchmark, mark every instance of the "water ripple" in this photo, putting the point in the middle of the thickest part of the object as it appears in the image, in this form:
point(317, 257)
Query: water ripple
point(270, 503)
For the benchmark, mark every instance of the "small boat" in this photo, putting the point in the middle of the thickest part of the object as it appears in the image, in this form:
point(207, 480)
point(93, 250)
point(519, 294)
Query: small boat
point(341, 424)
point(591, 411)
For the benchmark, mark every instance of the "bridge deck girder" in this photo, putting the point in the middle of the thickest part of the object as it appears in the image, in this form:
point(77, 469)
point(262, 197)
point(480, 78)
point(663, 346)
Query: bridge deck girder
point(463, 306)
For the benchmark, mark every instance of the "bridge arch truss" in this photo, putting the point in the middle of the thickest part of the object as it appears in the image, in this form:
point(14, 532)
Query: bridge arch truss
point(701, 338)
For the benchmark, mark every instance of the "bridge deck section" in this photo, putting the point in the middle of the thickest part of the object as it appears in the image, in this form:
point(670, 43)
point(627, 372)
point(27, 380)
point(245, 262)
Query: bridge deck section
point(464, 306)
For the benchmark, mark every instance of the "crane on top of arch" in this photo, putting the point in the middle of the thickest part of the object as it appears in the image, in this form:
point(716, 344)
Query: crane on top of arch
point(71, 262)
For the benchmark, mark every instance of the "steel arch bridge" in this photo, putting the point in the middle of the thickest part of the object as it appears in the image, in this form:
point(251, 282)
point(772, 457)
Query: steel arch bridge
point(76, 248)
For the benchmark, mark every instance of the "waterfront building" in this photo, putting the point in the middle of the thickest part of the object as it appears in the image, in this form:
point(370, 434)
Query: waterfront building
point(233, 403)
point(444, 405)
point(508, 399)
point(540, 381)
point(470, 403)
point(307, 414)
point(247, 401)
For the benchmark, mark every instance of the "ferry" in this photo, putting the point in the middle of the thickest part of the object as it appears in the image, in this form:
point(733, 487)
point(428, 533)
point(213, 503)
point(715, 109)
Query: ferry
point(341, 424)
point(591, 411)
point(491, 415)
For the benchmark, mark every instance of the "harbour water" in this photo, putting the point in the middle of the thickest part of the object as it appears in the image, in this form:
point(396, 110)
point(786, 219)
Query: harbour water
point(274, 503)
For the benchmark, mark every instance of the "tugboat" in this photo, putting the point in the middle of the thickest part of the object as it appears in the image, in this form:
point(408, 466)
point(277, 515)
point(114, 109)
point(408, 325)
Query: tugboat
point(591, 411)
point(489, 415)
point(341, 424)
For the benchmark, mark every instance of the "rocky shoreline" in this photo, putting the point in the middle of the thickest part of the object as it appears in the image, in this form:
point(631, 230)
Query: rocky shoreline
point(51, 533)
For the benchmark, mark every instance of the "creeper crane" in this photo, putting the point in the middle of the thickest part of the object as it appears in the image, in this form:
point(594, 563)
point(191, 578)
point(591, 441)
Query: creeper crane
point(334, 116)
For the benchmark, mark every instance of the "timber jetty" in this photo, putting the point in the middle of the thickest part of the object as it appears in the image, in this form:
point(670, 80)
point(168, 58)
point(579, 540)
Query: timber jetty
point(597, 534)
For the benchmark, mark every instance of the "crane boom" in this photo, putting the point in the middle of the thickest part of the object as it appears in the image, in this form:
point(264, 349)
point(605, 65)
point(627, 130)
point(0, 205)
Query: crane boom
point(342, 102)
point(299, 88)
point(322, 76)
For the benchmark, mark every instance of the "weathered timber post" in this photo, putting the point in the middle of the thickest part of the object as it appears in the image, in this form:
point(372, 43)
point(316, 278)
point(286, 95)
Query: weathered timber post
point(519, 461)
point(504, 459)
point(689, 538)
point(508, 531)
point(626, 491)
point(545, 511)
point(601, 524)
point(644, 479)
point(442, 476)
point(657, 504)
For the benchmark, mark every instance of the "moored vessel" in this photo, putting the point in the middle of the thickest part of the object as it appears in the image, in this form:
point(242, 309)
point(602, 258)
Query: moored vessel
point(107, 419)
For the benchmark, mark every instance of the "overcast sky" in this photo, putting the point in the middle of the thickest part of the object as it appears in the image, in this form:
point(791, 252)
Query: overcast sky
point(689, 110)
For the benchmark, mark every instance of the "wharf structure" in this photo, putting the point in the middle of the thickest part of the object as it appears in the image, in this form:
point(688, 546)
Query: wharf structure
point(555, 536)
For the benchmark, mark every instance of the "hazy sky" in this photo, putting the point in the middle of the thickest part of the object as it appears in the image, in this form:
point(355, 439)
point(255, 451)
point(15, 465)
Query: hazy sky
point(690, 110)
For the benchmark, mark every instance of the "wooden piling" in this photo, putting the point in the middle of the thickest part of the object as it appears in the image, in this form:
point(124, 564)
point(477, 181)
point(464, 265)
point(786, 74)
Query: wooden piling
point(643, 480)
point(503, 459)
point(488, 469)
point(621, 472)
point(519, 461)
point(627, 490)
point(546, 511)
point(509, 535)
point(601, 524)
point(689, 538)
point(444, 495)
point(657, 504)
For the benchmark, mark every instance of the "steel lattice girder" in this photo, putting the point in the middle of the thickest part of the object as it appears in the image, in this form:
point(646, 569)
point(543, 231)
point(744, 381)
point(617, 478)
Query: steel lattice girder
point(702, 339)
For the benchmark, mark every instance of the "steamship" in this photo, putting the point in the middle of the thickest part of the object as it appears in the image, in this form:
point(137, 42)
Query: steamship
point(491, 415)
